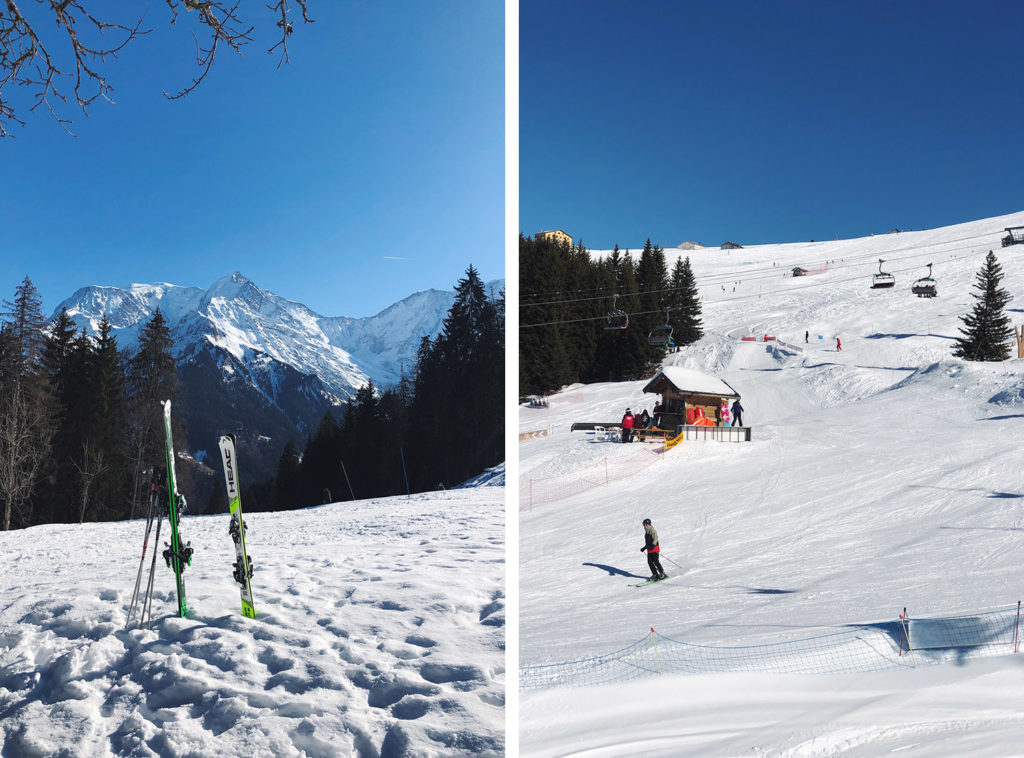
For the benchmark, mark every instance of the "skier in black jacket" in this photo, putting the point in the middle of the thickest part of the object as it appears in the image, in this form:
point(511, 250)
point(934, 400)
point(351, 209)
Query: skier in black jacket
point(737, 413)
point(653, 548)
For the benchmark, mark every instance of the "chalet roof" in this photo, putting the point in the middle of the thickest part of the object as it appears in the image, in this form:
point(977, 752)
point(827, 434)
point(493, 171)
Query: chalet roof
point(689, 381)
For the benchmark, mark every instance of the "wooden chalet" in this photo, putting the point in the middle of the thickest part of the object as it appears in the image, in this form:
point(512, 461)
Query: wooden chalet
point(685, 391)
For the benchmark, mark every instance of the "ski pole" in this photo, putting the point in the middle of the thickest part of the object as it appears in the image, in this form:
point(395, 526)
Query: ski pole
point(142, 561)
point(670, 561)
point(147, 601)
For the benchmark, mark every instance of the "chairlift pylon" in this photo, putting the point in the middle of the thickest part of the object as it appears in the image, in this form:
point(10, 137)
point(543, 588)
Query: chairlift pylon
point(882, 280)
point(617, 318)
point(925, 286)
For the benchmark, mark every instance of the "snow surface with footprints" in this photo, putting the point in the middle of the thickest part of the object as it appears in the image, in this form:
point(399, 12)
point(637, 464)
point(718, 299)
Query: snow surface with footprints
point(379, 632)
point(882, 476)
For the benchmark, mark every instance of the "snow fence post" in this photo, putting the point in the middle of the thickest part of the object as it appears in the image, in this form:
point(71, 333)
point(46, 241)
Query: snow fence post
point(657, 659)
point(402, 453)
point(1016, 639)
point(905, 623)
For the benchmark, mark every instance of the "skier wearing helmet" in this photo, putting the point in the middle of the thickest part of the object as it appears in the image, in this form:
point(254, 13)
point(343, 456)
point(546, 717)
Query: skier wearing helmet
point(653, 548)
point(627, 426)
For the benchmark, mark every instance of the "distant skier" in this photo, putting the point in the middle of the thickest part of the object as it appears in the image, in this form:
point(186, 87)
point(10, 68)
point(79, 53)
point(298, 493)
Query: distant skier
point(627, 425)
point(807, 336)
point(839, 345)
point(653, 549)
point(737, 413)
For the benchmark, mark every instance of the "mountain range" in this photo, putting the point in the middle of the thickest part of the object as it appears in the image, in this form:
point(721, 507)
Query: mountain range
point(260, 365)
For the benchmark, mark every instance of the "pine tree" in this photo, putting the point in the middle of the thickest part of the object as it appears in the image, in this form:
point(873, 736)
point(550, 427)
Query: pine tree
point(24, 317)
point(103, 458)
point(544, 363)
point(457, 411)
point(26, 414)
point(687, 321)
point(986, 330)
point(320, 472)
point(152, 378)
point(60, 364)
point(606, 275)
point(286, 483)
point(632, 352)
point(579, 335)
point(651, 278)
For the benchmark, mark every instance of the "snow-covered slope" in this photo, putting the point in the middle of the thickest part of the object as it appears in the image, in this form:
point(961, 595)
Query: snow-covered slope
point(380, 632)
point(881, 476)
point(237, 318)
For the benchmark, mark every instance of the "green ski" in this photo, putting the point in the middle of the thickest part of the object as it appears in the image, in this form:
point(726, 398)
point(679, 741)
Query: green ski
point(243, 566)
point(178, 556)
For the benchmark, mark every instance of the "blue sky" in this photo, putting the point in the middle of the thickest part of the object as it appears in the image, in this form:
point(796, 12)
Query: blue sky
point(767, 121)
point(369, 168)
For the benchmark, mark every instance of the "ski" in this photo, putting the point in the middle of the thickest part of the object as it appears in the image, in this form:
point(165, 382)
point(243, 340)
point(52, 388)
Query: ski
point(176, 555)
point(650, 581)
point(242, 565)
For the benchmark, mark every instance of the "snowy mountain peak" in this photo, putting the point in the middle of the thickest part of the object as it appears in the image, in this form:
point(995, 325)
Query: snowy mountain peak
point(232, 285)
point(234, 316)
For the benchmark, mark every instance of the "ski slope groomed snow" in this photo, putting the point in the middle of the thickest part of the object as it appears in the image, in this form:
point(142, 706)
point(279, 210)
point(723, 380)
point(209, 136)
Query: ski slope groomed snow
point(380, 632)
point(882, 480)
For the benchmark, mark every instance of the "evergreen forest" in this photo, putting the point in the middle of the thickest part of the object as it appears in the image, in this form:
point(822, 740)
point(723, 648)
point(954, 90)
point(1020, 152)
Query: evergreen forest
point(81, 426)
point(567, 330)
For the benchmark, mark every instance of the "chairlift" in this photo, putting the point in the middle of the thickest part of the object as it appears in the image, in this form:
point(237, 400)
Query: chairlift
point(925, 286)
point(617, 318)
point(661, 335)
point(882, 280)
point(1015, 236)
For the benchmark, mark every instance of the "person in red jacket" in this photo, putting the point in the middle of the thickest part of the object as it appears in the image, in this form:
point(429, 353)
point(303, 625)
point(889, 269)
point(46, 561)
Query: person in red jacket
point(627, 426)
point(653, 549)
point(839, 345)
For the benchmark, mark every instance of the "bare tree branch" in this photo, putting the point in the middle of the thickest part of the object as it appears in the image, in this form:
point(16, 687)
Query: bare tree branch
point(281, 9)
point(69, 62)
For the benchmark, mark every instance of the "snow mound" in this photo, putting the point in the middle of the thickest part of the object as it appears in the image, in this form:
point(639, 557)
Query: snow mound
point(379, 632)
point(492, 477)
